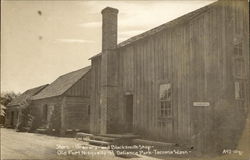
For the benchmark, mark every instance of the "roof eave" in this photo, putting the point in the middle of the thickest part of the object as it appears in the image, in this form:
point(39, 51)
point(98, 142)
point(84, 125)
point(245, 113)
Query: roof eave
point(164, 26)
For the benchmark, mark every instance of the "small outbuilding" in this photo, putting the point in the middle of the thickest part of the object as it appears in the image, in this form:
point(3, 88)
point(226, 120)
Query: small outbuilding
point(64, 104)
point(13, 108)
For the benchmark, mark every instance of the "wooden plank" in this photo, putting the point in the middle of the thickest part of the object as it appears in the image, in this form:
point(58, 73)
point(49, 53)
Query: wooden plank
point(155, 86)
point(153, 95)
point(154, 143)
point(136, 97)
point(143, 87)
point(134, 88)
point(63, 127)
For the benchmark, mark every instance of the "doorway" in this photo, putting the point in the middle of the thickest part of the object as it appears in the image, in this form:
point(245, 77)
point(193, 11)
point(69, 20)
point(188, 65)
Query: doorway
point(129, 112)
point(45, 112)
point(12, 113)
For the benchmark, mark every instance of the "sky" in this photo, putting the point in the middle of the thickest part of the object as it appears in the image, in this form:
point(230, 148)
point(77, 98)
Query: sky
point(41, 40)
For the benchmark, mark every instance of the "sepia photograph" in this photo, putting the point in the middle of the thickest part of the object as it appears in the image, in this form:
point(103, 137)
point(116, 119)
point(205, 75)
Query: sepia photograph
point(125, 80)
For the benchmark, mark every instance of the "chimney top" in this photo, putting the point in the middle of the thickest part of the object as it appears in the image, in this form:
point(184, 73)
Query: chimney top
point(110, 10)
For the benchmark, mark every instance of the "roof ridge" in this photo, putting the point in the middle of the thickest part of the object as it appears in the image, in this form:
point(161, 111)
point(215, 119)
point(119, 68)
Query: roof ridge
point(74, 71)
point(77, 80)
point(62, 84)
point(41, 88)
point(26, 95)
point(161, 27)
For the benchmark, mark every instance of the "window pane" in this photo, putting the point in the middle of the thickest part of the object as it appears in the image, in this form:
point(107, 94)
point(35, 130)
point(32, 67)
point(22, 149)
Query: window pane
point(238, 49)
point(237, 90)
point(162, 112)
point(164, 91)
point(163, 124)
point(168, 104)
point(162, 105)
point(241, 92)
point(165, 101)
point(166, 113)
point(239, 67)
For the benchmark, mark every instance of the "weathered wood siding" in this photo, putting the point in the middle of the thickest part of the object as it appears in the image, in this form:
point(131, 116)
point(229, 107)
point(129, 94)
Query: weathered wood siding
point(37, 110)
point(213, 35)
point(75, 113)
point(9, 116)
point(76, 103)
point(197, 57)
point(81, 88)
point(70, 112)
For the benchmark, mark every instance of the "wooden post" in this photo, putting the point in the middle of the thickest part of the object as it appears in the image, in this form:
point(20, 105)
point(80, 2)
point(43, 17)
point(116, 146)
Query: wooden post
point(63, 129)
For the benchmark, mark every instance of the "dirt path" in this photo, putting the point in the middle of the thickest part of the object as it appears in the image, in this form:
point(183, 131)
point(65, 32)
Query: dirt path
point(17, 145)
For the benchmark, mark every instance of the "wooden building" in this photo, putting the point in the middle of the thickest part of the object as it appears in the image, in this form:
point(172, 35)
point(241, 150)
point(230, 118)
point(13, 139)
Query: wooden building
point(13, 108)
point(64, 104)
point(185, 81)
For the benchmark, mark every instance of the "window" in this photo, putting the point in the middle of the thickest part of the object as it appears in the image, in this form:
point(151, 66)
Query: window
point(239, 67)
point(238, 49)
point(165, 101)
point(238, 59)
point(239, 90)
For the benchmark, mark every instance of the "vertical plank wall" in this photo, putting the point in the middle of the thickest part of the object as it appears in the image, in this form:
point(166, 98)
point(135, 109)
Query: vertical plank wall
point(81, 88)
point(76, 114)
point(161, 58)
point(76, 102)
point(196, 57)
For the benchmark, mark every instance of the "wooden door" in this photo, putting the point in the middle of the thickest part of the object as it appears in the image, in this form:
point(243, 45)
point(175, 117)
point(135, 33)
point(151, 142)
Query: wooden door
point(45, 112)
point(12, 118)
point(129, 112)
point(201, 122)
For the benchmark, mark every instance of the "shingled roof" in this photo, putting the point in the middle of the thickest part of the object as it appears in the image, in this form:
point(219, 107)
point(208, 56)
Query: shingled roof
point(62, 84)
point(26, 95)
point(177, 21)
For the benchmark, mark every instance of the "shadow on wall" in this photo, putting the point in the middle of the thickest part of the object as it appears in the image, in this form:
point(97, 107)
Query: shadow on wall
point(228, 125)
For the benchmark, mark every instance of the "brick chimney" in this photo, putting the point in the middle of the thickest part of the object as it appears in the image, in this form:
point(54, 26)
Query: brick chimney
point(109, 28)
point(108, 94)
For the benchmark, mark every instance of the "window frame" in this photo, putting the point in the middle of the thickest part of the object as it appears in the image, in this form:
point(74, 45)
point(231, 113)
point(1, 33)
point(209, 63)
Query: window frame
point(238, 55)
point(239, 74)
point(165, 113)
point(241, 88)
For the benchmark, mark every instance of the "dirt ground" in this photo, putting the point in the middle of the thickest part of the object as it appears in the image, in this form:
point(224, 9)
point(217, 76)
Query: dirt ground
point(19, 145)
